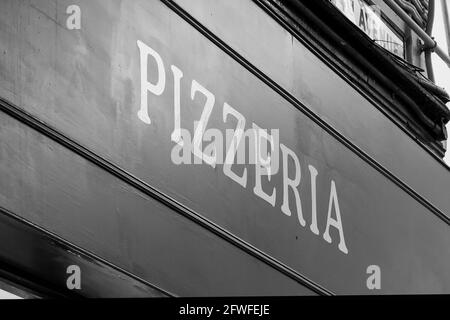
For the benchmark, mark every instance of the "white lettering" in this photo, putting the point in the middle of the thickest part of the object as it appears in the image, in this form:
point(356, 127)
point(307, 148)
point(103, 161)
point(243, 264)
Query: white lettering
point(238, 133)
point(146, 86)
point(74, 20)
point(177, 75)
point(337, 223)
point(313, 173)
point(374, 280)
point(291, 183)
point(201, 125)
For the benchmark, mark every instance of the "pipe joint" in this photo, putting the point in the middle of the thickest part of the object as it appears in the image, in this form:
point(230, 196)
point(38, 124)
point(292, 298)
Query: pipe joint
point(426, 47)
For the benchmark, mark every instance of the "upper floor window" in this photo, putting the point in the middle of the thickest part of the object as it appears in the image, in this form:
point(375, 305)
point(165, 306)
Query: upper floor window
point(369, 19)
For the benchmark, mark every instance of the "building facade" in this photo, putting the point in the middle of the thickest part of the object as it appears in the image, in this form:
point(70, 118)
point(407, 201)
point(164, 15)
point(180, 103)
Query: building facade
point(220, 148)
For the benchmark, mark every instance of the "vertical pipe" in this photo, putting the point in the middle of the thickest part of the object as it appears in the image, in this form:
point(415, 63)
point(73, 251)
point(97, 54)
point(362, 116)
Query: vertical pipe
point(445, 15)
point(429, 30)
point(429, 42)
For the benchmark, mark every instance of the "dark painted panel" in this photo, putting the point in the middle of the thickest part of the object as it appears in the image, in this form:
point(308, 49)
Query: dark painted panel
point(63, 193)
point(273, 50)
point(36, 259)
point(86, 83)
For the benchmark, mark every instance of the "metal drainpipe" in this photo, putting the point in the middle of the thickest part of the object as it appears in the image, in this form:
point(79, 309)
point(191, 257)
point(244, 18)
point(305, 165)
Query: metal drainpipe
point(379, 75)
point(446, 22)
point(428, 41)
point(429, 30)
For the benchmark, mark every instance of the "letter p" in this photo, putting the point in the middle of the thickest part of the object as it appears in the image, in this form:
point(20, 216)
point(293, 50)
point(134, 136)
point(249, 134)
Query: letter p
point(146, 86)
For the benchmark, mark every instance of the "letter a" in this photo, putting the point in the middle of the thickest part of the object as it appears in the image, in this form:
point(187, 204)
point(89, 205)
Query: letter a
point(74, 280)
point(74, 20)
point(374, 280)
point(337, 223)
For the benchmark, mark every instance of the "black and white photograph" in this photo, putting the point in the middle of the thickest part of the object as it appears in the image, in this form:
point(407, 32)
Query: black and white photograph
point(257, 150)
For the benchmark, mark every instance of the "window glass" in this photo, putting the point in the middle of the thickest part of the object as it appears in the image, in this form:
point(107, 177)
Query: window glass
point(368, 19)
